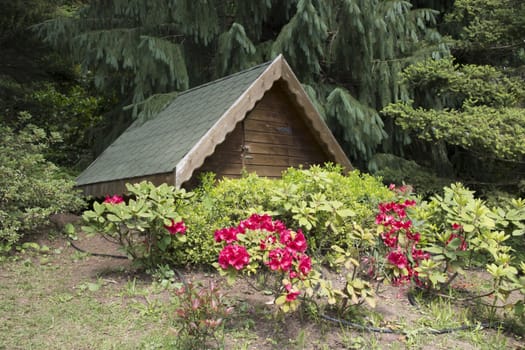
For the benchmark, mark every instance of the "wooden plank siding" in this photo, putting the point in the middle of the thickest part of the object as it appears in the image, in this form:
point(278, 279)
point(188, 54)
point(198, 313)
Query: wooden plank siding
point(276, 138)
point(271, 139)
point(226, 161)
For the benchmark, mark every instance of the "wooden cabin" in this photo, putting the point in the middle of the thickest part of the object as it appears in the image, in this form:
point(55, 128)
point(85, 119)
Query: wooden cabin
point(258, 120)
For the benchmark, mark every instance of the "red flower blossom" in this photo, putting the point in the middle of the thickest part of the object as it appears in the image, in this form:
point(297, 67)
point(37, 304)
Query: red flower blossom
point(390, 239)
point(234, 255)
point(398, 225)
point(298, 243)
point(398, 259)
point(176, 227)
point(257, 222)
point(418, 254)
point(413, 236)
point(115, 199)
point(457, 227)
point(410, 203)
point(228, 234)
point(269, 240)
point(285, 237)
point(279, 259)
point(292, 295)
point(305, 265)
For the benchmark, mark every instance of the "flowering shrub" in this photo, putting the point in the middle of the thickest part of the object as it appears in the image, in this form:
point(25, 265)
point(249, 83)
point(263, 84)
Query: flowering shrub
point(148, 227)
point(327, 203)
point(260, 242)
point(404, 255)
point(456, 231)
point(323, 201)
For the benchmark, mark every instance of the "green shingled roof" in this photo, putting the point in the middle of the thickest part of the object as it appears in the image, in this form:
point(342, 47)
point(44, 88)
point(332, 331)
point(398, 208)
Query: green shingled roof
point(158, 145)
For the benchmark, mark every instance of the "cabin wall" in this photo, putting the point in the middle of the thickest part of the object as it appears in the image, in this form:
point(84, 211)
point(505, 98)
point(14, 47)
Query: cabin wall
point(226, 161)
point(99, 190)
point(277, 138)
point(272, 138)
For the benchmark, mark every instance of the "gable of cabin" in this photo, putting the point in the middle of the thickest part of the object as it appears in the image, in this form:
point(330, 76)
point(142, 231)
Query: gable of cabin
point(273, 137)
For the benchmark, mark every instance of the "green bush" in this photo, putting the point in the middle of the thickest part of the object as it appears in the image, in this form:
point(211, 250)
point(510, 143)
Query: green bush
point(327, 205)
point(220, 204)
point(322, 201)
point(31, 188)
point(149, 227)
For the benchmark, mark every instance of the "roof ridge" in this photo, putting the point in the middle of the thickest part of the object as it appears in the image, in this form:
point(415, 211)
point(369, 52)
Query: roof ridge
point(267, 63)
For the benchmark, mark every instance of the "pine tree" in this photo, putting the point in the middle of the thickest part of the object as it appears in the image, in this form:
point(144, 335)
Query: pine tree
point(349, 52)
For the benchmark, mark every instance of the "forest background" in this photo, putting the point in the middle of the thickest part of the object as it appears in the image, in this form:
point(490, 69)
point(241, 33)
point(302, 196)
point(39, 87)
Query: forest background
point(425, 92)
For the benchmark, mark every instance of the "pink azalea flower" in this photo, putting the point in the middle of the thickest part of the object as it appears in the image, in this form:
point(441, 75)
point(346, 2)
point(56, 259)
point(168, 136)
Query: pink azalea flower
point(457, 227)
point(279, 259)
point(285, 237)
point(410, 203)
point(176, 227)
point(298, 243)
point(234, 255)
point(228, 234)
point(115, 199)
point(418, 254)
point(305, 265)
point(413, 236)
point(389, 239)
point(398, 225)
point(398, 259)
point(292, 295)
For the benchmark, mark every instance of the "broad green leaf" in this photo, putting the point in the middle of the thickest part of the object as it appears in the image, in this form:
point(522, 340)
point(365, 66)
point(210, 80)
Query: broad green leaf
point(164, 242)
point(280, 300)
point(113, 218)
point(99, 208)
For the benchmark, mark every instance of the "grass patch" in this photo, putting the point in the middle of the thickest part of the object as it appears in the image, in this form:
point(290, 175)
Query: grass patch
point(41, 309)
point(62, 303)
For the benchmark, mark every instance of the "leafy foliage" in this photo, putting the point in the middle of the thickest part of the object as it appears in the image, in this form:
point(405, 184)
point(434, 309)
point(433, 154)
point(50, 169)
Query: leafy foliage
point(467, 116)
point(397, 170)
point(443, 84)
point(159, 47)
point(201, 311)
point(327, 203)
point(363, 126)
point(31, 188)
point(461, 231)
point(309, 24)
point(73, 115)
point(488, 31)
point(499, 133)
point(149, 227)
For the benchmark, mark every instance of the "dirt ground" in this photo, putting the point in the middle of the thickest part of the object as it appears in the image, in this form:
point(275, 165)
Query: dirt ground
point(393, 308)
